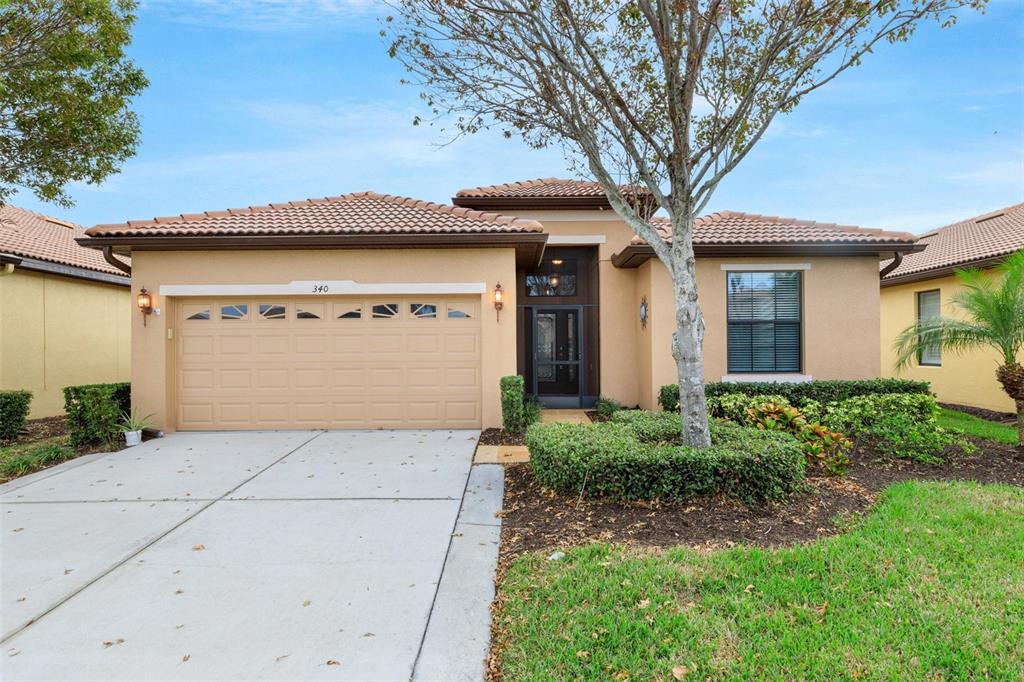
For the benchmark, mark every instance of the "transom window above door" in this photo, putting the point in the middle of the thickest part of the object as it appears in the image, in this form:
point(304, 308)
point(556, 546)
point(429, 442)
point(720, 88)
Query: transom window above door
point(554, 277)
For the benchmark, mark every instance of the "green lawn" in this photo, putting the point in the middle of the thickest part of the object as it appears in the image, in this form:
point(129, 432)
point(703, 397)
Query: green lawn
point(930, 586)
point(18, 460)
point(980, 428)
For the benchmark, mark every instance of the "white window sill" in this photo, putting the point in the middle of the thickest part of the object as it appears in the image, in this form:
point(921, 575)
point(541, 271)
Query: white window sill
point(778, 378)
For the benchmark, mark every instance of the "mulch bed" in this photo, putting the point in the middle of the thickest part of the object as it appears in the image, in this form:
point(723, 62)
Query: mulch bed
point(982, 413)
point(537, 519)
point(36, 430)
point(501, 437)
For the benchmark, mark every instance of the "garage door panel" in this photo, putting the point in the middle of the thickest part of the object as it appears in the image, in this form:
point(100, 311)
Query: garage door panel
point(337, 366)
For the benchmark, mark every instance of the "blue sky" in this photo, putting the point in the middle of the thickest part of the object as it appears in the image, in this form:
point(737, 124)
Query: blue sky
point(275, 100)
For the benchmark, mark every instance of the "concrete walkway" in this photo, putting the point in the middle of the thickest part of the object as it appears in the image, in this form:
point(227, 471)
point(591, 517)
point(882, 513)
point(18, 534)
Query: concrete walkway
point(259, 555)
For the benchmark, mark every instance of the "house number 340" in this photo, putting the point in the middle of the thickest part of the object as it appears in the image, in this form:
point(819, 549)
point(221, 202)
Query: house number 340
point(320, 288)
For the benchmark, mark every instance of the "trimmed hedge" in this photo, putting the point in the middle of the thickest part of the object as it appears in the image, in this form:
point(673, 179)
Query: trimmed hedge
point(823, 392)
point(518, 410)
point(13, 413)
point(628, 459)
point(94, 411)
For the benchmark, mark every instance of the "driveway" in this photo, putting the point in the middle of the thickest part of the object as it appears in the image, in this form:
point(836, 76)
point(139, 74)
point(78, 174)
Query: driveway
point(269, 555)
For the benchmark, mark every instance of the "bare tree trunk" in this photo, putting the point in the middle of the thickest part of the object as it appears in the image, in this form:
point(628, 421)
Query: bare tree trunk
point(687, 342)
point(1020, 422)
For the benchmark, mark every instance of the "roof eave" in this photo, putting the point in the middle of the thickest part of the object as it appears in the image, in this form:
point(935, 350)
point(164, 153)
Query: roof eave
point(597, 203)
point(944, 271)
point(529, 246)
point(65, 270)
point(636, 255)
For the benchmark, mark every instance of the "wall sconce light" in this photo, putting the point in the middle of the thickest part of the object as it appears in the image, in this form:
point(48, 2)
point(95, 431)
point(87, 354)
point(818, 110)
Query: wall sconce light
point(145, 303)
point(553, 281)
point(499, 299)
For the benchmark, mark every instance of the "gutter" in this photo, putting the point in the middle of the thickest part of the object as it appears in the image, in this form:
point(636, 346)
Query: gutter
point(897, 258)
point(108, 255)
point(921, 275)
point(636, 255)
point(8, 262)
point(37, 265)
point(529, 246)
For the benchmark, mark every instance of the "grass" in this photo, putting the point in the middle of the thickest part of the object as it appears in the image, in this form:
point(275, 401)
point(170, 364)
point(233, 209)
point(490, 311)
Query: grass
point(929, 586)
point(18, 460)
point(975, 426)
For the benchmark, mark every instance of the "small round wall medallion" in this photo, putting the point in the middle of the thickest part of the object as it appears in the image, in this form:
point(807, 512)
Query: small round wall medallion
point(644, 312)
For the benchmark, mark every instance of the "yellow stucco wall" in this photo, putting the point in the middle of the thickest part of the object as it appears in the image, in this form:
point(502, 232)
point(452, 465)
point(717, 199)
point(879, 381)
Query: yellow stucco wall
point(58, 331)
point(840, 314)
point(967, 379)
point(153, 352)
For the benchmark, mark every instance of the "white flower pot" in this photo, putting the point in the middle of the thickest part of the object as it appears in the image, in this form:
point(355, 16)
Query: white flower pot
point(132, 438)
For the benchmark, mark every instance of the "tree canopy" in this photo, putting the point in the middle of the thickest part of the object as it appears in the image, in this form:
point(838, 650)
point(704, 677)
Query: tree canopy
point(65, 90)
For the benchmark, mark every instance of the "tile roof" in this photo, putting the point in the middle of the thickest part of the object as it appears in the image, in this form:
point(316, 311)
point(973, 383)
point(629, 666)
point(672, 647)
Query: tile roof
point(541, 188)
point(732, 227)
point(349, 214)
point(993, 234)
point(33, 235)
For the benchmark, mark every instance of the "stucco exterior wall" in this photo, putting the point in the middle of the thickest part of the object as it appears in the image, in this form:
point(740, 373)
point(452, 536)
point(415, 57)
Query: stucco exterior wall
point(59, 331)
point(966, 379)
point(153, 352)
point(840, 318)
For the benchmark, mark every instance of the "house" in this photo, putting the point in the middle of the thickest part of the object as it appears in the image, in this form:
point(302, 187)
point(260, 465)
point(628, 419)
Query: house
point(65, 312)
point(370, 310)
point(923, 284)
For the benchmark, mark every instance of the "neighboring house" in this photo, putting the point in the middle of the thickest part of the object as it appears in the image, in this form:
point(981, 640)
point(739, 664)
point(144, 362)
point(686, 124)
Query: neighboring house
point(369, 310)
point(64, 311)
point(923, 284)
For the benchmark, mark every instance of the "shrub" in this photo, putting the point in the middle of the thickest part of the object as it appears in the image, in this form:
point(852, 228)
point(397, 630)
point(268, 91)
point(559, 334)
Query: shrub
point(798, 394)
point(896, 425)
point(734, 406)
point(518, 410)
point(13, 412)
point(94, 411)
point(606, 407)
point(37, 457)
point(610, 460)
point(652, 427)
point(821, 446)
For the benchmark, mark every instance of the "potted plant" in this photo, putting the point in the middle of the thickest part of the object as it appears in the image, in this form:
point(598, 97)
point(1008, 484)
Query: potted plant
point(132, 426)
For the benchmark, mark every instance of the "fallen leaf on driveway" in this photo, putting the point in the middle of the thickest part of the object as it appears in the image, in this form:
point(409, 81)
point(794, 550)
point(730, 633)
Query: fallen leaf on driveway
point(199, 548)
point(306, 603)
point(281, 658)
point(107, 645)
point(186, 657)
point(179, 591)
point(331, 661)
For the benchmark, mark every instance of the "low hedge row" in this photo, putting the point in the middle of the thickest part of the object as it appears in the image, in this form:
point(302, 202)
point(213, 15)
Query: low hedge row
point(632, 457)
point(94, 411)
point(13, 413)
point(819, 391)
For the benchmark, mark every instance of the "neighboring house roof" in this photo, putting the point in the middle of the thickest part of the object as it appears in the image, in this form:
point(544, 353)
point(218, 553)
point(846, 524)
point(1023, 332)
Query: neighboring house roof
point(980, 241)
point(550, 193)
point(365, 219)
point(37, 239)
point(732, 232)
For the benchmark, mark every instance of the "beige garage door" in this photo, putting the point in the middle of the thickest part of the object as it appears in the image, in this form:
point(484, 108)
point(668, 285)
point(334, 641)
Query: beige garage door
point(394, 362)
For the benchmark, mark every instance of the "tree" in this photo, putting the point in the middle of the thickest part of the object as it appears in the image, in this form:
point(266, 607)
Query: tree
point(993, 318)
point(663, 97)
point(65, 88)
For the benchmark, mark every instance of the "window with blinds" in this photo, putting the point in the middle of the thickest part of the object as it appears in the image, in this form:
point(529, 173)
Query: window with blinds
point(764, 314)
point(929, 307)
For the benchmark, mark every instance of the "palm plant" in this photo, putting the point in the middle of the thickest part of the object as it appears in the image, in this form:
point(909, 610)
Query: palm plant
point(994, 319)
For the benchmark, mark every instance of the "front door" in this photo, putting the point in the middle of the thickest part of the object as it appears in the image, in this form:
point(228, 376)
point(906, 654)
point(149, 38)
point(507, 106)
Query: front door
point(557, 355)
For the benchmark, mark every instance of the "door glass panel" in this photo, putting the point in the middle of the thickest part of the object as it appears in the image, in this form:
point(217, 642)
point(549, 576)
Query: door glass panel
point(557, 352)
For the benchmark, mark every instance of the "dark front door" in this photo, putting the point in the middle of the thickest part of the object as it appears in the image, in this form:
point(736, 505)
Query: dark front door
point(557, 355)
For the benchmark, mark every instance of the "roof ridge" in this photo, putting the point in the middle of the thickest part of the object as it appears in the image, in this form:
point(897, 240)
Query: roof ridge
point(515, 184)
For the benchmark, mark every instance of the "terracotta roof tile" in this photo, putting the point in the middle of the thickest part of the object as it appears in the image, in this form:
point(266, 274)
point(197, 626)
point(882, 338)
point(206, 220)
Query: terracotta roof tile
point(357, 213)
point(548, 188)
point(732, 227)
point(33, 235)
point(986, 236)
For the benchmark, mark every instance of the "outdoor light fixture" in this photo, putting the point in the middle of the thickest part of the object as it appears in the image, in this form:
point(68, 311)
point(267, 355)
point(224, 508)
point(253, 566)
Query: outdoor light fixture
point(499, 299)
point(553, 281)
point(145, 303)
point(557, 261)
